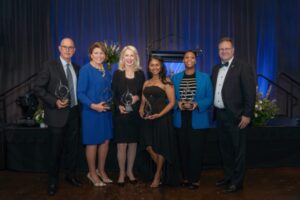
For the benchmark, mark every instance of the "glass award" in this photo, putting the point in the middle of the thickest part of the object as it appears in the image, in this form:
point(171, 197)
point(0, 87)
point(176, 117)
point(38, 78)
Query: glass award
point(62, 92)
point(127, 99)
point(147, 108)
point(187, 98)
point(106, 96)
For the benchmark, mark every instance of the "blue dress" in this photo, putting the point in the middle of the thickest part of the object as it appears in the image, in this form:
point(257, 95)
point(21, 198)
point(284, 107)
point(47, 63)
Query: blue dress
point(96, 126)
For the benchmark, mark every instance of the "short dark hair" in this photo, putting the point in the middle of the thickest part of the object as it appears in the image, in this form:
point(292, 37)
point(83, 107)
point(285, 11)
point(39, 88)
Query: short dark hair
point(190, 51)
point(226, 39)
point(99, 45)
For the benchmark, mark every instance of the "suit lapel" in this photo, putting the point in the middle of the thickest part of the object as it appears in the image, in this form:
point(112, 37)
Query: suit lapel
point(231, 67)
point(76, 69)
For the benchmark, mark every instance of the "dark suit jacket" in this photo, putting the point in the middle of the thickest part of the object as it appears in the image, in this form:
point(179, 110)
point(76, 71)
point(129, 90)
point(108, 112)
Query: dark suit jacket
point(47, 81)
point(239, 89)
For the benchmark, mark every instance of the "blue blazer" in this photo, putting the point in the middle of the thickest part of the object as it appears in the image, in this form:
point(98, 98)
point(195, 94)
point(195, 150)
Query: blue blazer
point(203, 97)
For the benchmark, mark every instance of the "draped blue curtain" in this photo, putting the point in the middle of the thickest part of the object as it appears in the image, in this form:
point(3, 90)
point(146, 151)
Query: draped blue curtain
point(154, 25)
point(266, 45)
point(266, 32)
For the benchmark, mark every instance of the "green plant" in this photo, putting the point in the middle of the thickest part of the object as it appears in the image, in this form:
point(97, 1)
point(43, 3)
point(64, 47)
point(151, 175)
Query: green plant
point(113, 53)
point(39, 115)
point(265, 109)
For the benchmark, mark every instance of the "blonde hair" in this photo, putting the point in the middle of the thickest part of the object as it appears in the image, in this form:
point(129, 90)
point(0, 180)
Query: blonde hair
point(136, 64)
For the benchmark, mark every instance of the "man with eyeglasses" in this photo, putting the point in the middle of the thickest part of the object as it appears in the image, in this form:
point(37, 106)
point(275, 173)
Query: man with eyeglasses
point(56, 87)
point(234, 99)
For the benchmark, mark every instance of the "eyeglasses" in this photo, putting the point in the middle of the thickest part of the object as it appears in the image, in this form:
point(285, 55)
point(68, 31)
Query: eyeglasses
point(225, 49)
point(66, 48)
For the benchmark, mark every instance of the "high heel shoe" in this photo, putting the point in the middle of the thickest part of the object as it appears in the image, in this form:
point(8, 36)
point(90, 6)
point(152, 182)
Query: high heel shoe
point(131, 181)
point(96, 184)
point(105, 180)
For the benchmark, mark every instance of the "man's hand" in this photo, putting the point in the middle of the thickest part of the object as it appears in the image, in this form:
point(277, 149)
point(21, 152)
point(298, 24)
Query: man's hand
point(244, 122)
point(61, 104)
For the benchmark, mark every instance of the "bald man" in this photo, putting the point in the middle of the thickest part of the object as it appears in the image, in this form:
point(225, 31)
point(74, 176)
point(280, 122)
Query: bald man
point(56, 87)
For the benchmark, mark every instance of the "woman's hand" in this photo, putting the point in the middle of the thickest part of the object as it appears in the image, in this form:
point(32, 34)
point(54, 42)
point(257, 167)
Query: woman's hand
point(154, 116)
point(135, 99)
point(180, 105)
point(99, 107)
point(122, 109)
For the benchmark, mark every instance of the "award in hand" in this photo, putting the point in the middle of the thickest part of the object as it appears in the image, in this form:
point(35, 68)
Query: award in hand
point(147, 109)
point(127, 99)
point(62, 92)
point(187, 98)
point(107, 95)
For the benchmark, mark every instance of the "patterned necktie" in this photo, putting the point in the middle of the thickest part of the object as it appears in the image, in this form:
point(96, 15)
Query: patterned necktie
point(71, 85)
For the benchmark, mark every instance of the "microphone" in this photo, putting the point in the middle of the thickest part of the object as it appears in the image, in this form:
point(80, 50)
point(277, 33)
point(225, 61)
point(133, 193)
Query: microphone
point(198, 50)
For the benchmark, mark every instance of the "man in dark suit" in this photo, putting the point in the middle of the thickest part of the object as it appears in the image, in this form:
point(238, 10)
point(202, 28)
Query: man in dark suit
point(234, 88)
point(57, 80)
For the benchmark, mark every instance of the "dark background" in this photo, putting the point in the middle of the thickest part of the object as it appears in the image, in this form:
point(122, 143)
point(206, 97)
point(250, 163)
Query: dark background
point(266, 33)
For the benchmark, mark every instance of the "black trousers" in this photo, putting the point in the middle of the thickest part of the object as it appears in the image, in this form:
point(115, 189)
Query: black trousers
point(64, 140)
point(191, 143)
point(232, 144)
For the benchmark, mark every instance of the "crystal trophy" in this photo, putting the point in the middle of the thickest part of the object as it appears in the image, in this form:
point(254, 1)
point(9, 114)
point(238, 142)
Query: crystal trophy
point(127, 99)
point(107, 95)
point(147, 108)
point(62, 92)
point(187, 98)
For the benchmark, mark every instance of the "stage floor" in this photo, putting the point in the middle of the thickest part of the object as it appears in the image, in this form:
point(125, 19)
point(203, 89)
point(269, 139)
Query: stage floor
point(260, 184)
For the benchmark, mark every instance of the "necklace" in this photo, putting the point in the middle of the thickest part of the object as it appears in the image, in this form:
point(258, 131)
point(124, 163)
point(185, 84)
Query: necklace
point(100, 68)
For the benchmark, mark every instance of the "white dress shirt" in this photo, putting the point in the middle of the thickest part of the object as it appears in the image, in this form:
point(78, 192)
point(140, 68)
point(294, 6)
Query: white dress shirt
point(218, 101)
point(74, 77)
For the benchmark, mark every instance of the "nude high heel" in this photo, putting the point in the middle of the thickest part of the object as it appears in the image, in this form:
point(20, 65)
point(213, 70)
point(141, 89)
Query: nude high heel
point(105, 180)
point(96, 184)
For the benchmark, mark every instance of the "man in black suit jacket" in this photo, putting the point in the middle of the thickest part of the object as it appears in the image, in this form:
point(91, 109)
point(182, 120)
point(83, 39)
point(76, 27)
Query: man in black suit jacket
point(61, 115)
point(234, 88)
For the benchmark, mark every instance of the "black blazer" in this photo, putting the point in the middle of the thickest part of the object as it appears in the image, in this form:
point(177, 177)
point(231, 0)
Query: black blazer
point(47, 80)
point(239, 88)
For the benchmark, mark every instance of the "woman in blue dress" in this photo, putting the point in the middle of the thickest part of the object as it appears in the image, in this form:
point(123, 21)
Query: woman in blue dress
point(94, 80)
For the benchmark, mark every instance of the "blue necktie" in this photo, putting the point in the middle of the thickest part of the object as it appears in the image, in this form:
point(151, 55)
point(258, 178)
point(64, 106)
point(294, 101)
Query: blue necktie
point(71, 85)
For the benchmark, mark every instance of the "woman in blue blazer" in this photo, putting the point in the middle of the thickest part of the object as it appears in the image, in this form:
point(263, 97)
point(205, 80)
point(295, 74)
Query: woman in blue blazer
point(194, 95)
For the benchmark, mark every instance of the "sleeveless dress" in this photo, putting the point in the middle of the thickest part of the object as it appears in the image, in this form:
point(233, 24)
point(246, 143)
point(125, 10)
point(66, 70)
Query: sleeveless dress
point(159, 133)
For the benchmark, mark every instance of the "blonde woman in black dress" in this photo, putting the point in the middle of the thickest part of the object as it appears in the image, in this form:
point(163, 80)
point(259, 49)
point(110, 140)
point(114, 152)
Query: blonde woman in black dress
point(127, 81)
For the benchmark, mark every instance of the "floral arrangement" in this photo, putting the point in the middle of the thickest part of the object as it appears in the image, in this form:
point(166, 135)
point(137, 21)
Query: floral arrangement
point(39, 115)
point(265, 109)
point(113, 53)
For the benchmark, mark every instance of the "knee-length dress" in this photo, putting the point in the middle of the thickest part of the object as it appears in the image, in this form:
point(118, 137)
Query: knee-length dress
point(126, 126)
point(96, 126)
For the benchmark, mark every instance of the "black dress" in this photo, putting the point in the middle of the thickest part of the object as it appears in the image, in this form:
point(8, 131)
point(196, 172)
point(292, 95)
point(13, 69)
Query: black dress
point(126, 126)
point(159, 133)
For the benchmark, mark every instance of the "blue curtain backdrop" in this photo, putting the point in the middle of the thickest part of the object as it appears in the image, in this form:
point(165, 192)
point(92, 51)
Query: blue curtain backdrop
point(156, 25)
point(266, 32)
